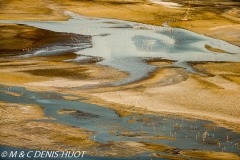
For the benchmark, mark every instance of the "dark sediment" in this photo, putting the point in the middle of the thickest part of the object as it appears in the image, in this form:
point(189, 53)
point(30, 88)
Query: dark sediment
point(21, 39)
point(79, 114)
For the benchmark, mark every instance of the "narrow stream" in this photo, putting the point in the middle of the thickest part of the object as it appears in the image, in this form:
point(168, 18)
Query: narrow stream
point(188, 133)
point(123, 45)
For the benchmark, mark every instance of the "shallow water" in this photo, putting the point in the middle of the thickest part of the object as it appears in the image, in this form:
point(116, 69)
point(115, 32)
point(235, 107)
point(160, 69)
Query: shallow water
point(123, 44)
point(188, 133)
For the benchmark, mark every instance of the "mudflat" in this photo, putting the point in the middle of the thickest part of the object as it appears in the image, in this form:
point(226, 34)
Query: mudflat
point(213, 96)
point(217, 19)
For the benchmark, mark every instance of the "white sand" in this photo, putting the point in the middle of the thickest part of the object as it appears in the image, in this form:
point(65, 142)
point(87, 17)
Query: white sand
point(223, 27)
point(62, 83)
point(189, 98)
point(166, 4)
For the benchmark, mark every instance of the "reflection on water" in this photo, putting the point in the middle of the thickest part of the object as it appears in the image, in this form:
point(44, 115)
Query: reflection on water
point(176, 131)
point(122, 44)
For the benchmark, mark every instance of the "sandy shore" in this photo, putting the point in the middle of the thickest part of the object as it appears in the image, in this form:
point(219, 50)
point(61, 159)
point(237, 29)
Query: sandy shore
point(209, 18)
point(213, 98)
point(19, 129)
point(169, 90)
point(173, 91)
point(151, 95)
point(23, 10)
point(202, 18)
point(155, 93)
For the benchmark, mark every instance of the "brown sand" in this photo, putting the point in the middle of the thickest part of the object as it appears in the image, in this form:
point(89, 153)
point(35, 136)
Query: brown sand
point(169, 90)
point(29, 10)
point(20, 130)
point(202, 21)
point(154, 93)
point(205, 18)
point(214, 49)
point(16, 39)
point(214, 98)
point(12, 93)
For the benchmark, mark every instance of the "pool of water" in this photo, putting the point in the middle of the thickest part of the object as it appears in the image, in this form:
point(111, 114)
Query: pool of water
point(188, 134)
point(123, 44)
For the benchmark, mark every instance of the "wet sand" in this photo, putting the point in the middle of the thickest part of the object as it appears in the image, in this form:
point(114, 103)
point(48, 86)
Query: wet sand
point(203, 19)
point(155, 93)
point(167, 90)
point(20, 129)
point(51, 68)
point(213, 98)
point(22, 9)
point(19, 39)
point(215, 19)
